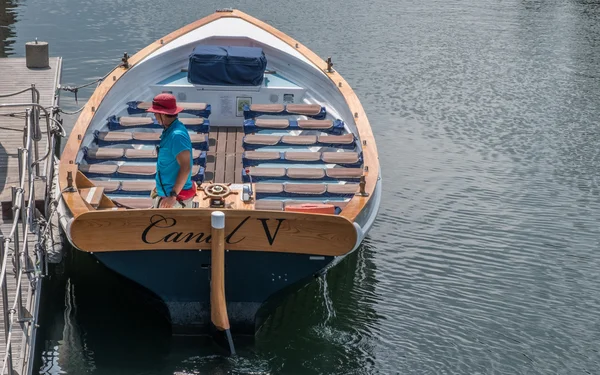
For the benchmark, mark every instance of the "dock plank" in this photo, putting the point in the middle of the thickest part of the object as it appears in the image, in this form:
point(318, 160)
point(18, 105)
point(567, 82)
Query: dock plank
point(16, 77)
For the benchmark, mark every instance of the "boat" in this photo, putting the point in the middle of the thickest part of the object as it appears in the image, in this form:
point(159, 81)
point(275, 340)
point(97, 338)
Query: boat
point(285, 157)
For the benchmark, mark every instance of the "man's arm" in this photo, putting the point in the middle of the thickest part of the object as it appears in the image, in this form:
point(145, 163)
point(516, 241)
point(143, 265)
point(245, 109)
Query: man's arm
point(185, 166)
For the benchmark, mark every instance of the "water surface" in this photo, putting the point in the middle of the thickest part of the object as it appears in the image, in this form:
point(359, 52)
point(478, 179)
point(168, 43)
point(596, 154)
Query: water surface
point(485, 255)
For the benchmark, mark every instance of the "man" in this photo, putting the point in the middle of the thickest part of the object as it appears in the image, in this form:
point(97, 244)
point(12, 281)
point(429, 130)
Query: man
point(174, 186)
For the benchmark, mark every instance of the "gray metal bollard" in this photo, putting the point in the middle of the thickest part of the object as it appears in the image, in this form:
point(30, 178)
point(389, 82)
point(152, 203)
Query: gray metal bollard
point(37, 55)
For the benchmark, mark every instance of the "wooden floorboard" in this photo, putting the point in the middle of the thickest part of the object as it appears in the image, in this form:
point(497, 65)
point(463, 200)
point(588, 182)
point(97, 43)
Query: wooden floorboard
point(220, 155)
point(230, 156)
point(209, 171)
point(239, 150)
point(16, 77)
point(224, 158)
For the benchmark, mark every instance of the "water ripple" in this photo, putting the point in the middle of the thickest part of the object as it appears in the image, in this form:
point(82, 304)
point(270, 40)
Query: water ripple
point(484, 256)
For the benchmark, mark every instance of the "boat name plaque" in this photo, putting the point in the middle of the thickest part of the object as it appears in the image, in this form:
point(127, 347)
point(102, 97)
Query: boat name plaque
point(189, 229)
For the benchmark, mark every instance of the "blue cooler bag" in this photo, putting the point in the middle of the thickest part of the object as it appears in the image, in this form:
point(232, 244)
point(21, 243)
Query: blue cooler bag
point(220, 65)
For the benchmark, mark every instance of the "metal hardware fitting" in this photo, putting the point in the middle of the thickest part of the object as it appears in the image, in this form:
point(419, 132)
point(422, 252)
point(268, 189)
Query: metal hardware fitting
point(362, 185)
point(329, 65)
point(125, 60)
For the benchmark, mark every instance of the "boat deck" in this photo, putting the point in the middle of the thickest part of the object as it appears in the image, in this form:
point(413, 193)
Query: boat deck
point(289, 152)
point(224, 164)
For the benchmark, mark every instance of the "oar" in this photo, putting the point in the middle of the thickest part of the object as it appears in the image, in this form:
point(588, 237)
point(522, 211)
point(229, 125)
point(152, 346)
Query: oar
point(218, 305)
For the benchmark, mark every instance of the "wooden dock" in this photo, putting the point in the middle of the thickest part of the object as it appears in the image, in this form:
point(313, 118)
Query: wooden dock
point(15, 77)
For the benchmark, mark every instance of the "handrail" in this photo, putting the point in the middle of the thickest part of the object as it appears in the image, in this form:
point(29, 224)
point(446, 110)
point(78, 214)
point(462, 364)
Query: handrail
point(35, 105)
point(32, 88)
point(29, 176)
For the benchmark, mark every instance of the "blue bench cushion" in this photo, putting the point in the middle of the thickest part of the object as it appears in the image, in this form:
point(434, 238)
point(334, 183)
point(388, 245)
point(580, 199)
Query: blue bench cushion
point(101, 154)
point(255, 141)
point(347, 159)
point(196, 124)
point(326, 126)
point(130, 171)
point(199, 141)
point(129, 187)
point(310, 110)
point(255, 174)
point(263, 190)
point(197, 109)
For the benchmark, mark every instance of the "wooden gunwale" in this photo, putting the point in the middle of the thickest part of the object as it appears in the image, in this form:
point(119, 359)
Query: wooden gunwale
point(371, 160)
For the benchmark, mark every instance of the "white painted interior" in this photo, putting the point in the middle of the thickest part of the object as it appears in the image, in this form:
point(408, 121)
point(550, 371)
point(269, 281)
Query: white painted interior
point(140, 83)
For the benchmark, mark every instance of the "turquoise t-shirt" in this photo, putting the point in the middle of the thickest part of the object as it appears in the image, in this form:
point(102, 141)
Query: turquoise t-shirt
point(173, 140)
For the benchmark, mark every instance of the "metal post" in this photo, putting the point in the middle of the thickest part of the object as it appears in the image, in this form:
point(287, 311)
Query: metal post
point(48, 179)
point(17, 253)
point(5, 313)
point(24, 220)
point(36, 130)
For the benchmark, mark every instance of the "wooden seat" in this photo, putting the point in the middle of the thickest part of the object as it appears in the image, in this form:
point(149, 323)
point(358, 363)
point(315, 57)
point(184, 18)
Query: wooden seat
point(198, 138)
point(302, 156)
point(268, 205)
point(150, 153)
point(141, 137)
point(105, 153)
point(263, 140)
point(94, 155)
point(130, 122)
point(139, 203)
point(306, 173)
point(268, 188)
point(279, 205)
point(304, 109)
point(299, 139)
point(344, 139)
point(270, 108)
point(315, 124)
point(305, 189)
point(138, 186)
point(266, 172)
point(340, 204)
point(342, 173)
point(340, 157)
point(346, 189)
point(272, 123)
point(133, 153)
point(186, 106)
point(127, 121)
point(258, 155)
point(146, 137)
point(92, 195)
point(191, 121)
point(137, 170)
point(114, 136)
point(109, 186)
point(98, 169)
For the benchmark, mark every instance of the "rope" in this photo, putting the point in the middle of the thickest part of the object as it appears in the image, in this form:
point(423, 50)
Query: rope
point(71, 113)
point(59, 127)
point(75, 89)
